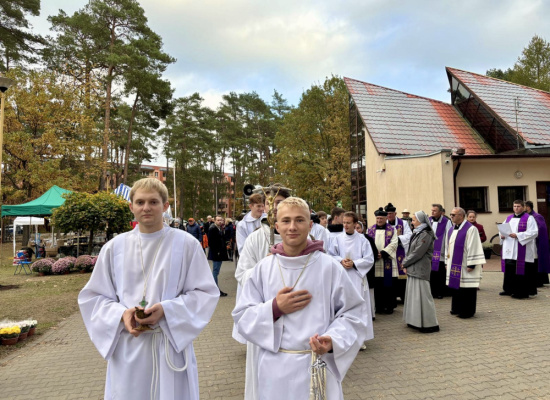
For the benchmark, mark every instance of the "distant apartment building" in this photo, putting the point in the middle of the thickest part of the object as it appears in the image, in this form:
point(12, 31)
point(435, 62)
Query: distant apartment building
point(154, 171)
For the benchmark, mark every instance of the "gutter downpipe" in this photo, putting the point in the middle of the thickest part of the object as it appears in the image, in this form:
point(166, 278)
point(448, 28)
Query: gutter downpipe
point(455, 173)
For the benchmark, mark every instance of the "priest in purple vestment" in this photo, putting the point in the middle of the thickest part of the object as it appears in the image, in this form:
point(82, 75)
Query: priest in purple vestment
point(542, 262)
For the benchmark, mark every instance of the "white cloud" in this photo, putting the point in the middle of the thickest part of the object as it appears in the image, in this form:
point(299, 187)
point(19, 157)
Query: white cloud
point(245, 45)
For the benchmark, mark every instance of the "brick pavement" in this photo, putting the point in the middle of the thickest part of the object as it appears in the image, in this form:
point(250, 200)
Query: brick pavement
point(480, 358)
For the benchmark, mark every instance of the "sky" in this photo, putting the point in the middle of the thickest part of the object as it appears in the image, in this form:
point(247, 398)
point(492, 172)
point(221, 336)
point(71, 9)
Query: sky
point(287, 45)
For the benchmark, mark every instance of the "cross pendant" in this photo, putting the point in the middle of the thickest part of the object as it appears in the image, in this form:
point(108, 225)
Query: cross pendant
point(143, 303)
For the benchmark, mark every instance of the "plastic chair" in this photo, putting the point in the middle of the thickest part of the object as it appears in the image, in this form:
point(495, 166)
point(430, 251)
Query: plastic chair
point(22, 263)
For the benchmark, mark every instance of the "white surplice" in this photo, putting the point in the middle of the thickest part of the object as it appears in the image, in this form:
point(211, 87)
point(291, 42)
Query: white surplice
point(180, 280)
point(527, 239)
point(405, 237)
point(357, 248)
point(245, 227)
point(319, 232)
point(391, 249)
point(334, 310)
point(255, 249)
point(473, 257)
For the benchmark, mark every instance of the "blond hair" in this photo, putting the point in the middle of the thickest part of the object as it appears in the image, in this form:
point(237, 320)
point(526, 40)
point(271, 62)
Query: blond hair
point(150, 185)
point(294, 202)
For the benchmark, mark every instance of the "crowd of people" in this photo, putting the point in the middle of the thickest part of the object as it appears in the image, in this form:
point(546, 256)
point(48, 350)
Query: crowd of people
point(309, 287)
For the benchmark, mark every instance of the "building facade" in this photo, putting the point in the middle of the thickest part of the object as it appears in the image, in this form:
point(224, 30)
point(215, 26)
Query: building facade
point(487, 148)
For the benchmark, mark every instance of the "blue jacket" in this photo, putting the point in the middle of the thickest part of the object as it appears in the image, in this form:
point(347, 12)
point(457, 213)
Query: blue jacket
point(195, 230)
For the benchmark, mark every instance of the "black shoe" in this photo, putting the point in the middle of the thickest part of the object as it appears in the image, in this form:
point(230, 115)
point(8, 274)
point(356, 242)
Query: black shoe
point(439, 297)
point(454, 312)
point(505, 294)
point(465, 316)
point(519, 296)
point(431, 329)
point(222, 294)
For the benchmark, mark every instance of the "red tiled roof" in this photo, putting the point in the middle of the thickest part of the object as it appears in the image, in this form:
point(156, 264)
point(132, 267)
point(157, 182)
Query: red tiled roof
point(500, 96)
point(402, 123)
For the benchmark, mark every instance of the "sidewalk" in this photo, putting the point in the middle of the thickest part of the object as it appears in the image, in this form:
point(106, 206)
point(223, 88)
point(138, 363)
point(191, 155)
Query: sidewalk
point(502, 353)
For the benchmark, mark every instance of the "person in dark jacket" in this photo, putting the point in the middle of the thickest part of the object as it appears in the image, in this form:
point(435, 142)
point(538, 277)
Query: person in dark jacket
point(217, 248)
point(229, 236)
point(419, 310)
point(194, 229)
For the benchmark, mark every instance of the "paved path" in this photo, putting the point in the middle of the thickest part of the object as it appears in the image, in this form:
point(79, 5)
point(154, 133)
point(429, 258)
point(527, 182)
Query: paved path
point(502, 353)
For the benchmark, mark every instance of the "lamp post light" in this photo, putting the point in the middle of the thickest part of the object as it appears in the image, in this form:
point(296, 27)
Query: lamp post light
point(5, 83)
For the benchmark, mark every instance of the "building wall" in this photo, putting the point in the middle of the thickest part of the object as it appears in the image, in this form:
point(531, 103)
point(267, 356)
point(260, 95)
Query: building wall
point(493, 173)
point(412, 183)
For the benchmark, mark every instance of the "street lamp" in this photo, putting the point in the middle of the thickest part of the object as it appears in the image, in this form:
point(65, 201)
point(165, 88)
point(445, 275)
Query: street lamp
point(5, 83)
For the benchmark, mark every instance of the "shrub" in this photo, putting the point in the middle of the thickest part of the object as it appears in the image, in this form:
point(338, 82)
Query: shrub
point(63, 265)
point(43, 265)
point(85, 263)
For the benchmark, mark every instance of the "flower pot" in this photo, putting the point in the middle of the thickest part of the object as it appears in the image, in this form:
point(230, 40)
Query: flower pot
point(10, 341)
point(31, 331)
point(23, 336)
point(487, 253)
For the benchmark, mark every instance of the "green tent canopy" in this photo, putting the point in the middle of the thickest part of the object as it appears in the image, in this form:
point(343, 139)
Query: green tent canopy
point(40, 206)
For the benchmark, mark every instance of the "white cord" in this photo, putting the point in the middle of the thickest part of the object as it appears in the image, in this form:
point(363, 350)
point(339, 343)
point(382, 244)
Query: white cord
point(156, 367)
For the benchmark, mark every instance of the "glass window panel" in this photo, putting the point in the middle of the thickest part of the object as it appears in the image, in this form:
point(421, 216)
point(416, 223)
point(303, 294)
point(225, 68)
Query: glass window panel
point(473, 198)
point(507, 195)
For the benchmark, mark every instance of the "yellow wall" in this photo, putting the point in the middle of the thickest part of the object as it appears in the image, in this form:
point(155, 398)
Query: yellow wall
point(412, 183)
point(493, 173)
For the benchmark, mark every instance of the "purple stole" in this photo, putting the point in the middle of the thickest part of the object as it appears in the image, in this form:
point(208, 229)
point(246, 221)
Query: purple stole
point(387, 263)
point(400, 254)
point(522, 250)
point(440, 233)
point(458, 254)
point(543, 251)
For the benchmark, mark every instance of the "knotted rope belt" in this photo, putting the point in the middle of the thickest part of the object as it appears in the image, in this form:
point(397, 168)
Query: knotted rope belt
point(159, 335)
point(318, 373)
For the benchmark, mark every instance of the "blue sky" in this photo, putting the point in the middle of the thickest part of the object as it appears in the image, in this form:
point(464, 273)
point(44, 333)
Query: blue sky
point(287, 45)
point(244, 45)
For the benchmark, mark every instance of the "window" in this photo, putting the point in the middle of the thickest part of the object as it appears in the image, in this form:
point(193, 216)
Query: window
point(507, 195)
point(156, 174)
point(473, 198)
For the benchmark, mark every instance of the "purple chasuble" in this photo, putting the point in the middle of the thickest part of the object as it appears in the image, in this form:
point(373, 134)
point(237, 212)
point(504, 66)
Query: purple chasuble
point(387, 263)
point(543, 250)
point(458, 254)
point(522, 250)
point(440, 233)
point(400, 254)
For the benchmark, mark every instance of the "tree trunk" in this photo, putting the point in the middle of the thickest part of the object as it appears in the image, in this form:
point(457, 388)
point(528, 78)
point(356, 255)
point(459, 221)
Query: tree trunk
point(129, 141)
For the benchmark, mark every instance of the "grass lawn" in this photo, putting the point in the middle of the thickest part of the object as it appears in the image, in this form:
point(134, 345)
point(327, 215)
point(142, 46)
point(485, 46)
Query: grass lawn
point(47, 299)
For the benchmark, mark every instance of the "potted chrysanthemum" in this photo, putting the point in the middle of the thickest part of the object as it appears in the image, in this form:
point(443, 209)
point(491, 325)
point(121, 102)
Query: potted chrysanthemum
point(84, 263)
point(32, 326)
point(42, 266)
point(24, 327)
point(63, 265)
point(9, 335)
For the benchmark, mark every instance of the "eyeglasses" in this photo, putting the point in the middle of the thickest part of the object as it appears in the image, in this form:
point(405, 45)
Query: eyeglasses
point(452, 215)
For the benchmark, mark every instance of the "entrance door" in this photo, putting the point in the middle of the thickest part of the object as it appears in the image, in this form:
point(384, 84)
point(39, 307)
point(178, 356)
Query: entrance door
point(543, 201)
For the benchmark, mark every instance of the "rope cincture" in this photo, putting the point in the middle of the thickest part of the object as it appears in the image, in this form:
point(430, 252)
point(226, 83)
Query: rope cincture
point(318, 373)
point(156, 375)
